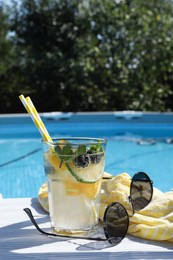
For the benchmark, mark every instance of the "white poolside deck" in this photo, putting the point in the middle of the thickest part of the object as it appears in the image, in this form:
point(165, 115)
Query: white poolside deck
point(20, 240)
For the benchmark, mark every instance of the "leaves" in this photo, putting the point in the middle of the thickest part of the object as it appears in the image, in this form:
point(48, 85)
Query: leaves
point(96, 148)
point(80, 150)
point(66, 153)
point(106, 54)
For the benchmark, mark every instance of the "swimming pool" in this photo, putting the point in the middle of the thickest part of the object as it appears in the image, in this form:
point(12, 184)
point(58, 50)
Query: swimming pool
point(136, 142)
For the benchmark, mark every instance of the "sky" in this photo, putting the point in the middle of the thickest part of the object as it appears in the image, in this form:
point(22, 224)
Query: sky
point(8, 2)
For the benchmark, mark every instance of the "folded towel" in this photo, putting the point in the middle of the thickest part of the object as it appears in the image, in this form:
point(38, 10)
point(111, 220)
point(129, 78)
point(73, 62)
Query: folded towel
point(154, 222)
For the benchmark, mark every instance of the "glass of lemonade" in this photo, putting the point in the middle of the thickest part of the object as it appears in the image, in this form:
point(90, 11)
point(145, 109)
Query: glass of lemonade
point(74, 168)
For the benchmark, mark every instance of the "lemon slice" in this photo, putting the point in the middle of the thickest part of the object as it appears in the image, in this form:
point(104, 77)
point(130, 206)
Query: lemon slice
point(76, 188)
point(91, 190)
point(90, 174)
point(52, 158)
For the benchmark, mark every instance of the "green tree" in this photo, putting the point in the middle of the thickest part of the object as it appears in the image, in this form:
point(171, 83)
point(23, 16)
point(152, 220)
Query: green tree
point(89, 55)
point(5, 59)
point(46, 34)
point(11, 75)
point(132, 63)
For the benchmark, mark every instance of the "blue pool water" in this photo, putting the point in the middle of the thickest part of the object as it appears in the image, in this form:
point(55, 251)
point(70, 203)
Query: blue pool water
point(132, 147)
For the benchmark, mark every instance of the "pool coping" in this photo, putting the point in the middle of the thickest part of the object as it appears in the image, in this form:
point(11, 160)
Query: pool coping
point(107, 116)
point(119, 123)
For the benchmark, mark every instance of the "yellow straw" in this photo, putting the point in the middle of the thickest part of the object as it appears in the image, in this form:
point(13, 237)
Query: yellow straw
point(30, 103)
point(29, 106)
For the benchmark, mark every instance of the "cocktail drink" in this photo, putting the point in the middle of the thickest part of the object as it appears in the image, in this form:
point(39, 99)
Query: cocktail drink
point(74, 168)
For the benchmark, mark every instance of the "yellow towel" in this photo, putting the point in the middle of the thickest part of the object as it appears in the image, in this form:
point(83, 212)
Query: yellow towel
point(154, 222)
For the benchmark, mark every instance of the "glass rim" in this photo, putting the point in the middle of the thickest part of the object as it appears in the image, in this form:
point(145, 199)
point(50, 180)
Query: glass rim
point(74, 141)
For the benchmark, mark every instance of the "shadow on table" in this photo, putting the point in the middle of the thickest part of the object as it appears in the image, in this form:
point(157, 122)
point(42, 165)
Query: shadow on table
point(22, 241)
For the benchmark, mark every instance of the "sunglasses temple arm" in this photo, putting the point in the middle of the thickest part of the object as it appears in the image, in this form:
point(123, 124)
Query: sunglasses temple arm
point(29, 213)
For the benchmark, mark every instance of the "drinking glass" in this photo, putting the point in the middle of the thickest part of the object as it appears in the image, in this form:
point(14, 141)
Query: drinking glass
point(74, 168)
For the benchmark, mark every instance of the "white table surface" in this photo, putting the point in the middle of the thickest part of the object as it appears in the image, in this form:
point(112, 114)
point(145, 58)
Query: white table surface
point(20, 240)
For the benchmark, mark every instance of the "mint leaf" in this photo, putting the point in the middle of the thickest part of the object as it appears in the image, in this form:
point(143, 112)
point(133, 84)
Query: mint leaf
point(97, 148)
point(81, 150)
point(67, 150)
point(58, 150)
point(65, 154)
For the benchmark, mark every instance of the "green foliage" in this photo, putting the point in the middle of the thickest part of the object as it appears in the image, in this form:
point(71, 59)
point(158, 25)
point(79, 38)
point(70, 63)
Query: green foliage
point(93, 55)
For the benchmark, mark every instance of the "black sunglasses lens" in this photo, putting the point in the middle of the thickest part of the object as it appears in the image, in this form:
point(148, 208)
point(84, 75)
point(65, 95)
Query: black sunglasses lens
point(141, 191)
point(115, 223)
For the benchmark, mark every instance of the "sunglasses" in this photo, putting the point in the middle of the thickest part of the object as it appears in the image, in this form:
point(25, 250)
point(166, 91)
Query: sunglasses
point(116, 218)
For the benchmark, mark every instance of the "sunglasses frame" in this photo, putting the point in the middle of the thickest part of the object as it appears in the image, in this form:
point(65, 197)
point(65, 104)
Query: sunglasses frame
point(135, 178)
point(114, 240)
